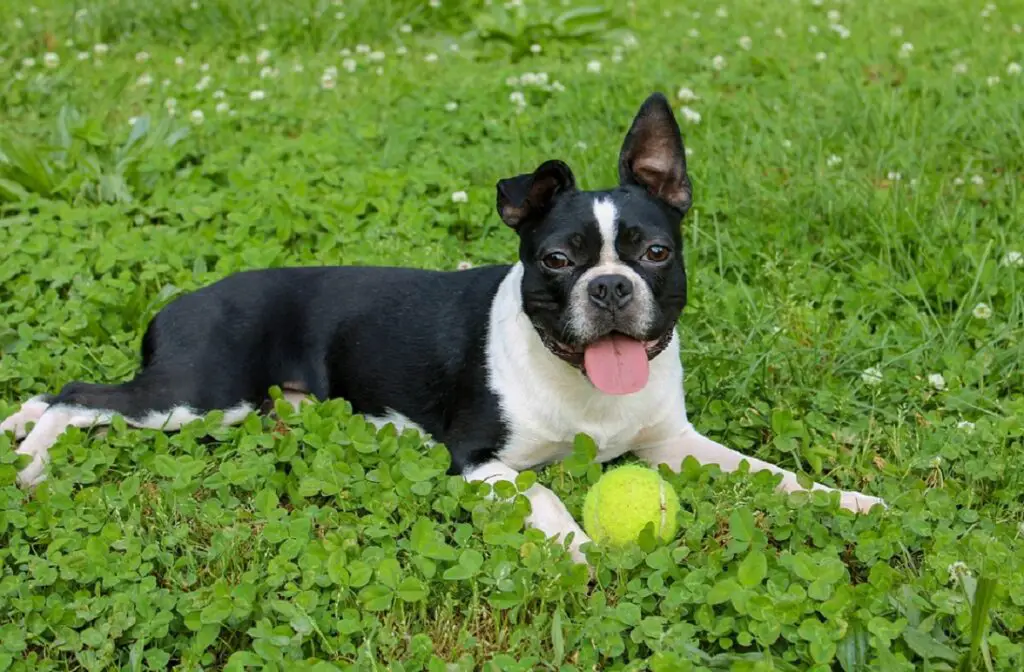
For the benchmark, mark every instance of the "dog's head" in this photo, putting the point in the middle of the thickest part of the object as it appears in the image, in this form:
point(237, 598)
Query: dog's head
point(603, 279)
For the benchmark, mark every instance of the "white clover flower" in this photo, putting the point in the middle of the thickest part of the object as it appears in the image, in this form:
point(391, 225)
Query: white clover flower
point(363, 49)
point(51, 60)
point(263, 56)
point(894, 176)
point(434, 3)
point(987, 10)
point(957, 570)
point(204, 67)
point(349, 64)
point(722, 12)
point(327, 81)
point(376, 56)
point(242, 59)
point(203, 83)
point(267, 72)
point(820, 56)
point(694, 33)
point(536, 48)
point(142, 57)
point(871, 376)
point(219, 94)
point(454, 46)
point(401, 50)
point(1013, 69)
point(82, 56)
point(430, 58)
point(812, 29)
point(746, 43)
point(982, 311)
point(833, 160)
point(594, 67)
point(906, 49)
point(257, 94)
point(691, 115)
point(977, 180)
point(958, 181)
point(686, 95)
point(197, 117)
point(222, 108)
point(960, 69)
point(405, 28)
point(451, 106)
point(460, 197)
point(780, 33)
point(630, 41)
point(581, 145)
point(617, 55)
point(171, 104)
point(331, 71)
point(1012, 258)
point(340, 16)
point(937, 381)
point(179, 61)
point(718, 62)
point(464, 265)
point(842, 31)
point(100, 48)
point(557, 86)
point(833, 15)
point(145, 79)
point(992, 80)
point(28, 63)
point(965, 425)
point(132, 121)
point(517, 98)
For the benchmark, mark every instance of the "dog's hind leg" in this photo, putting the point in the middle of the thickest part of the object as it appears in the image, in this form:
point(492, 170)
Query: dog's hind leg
point(30, 412)
point(149, 401)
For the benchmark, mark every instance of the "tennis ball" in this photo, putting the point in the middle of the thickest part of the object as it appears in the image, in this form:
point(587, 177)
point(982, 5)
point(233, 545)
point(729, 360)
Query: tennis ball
point(624, 500)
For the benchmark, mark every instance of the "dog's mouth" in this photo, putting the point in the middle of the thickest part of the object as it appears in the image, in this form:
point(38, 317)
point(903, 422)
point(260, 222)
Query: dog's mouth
point(615, 363)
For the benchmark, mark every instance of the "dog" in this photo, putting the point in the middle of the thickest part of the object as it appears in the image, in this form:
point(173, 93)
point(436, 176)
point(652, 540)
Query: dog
point(503, 364)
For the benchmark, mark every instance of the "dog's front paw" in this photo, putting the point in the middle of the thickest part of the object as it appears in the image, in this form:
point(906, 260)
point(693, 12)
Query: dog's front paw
point(858, 502)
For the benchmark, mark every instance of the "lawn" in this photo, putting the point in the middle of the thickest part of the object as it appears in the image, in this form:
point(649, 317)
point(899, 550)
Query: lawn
point(856, 267)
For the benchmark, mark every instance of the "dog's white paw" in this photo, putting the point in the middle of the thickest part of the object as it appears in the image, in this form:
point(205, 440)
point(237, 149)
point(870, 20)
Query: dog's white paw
point(859, 502)
point(30, 412)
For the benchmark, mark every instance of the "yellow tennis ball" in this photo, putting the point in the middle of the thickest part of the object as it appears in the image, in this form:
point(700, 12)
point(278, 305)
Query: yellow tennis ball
point(624, 500)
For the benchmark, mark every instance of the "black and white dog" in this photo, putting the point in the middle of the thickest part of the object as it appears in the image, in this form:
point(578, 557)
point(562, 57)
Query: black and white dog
point(505, 365)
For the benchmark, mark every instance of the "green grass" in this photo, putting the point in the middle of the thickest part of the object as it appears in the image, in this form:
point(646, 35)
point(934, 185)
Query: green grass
point(850, 213)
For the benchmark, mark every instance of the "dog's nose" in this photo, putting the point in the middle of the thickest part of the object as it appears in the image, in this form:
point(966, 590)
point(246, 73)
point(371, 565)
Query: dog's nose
point(611, 291)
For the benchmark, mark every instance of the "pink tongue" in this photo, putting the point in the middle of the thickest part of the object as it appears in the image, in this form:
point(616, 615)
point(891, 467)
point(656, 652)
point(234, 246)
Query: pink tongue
point(617, 365)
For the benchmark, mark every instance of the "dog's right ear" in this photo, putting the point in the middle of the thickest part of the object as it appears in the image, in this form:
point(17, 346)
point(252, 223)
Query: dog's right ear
point(528, 197)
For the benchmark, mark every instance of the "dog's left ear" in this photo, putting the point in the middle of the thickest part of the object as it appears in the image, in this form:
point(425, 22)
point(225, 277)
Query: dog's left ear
point(528, 197)
point(653, 157)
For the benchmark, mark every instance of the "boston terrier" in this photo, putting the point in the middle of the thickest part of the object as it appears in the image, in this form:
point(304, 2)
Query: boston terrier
point(504, 365)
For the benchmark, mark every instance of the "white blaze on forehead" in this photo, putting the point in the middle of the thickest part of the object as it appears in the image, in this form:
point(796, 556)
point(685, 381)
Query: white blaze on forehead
point(607, 216)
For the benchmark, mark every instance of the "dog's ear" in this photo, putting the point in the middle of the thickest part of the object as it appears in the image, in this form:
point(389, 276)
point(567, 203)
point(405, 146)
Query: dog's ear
point(653, 157)
point(526, 197)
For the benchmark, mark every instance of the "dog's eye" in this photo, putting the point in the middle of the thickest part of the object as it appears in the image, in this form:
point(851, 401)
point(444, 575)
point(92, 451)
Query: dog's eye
point(657, 253)
point(556, 261)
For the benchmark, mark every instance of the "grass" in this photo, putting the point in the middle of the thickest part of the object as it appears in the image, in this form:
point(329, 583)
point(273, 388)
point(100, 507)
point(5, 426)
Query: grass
point(856, 313)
